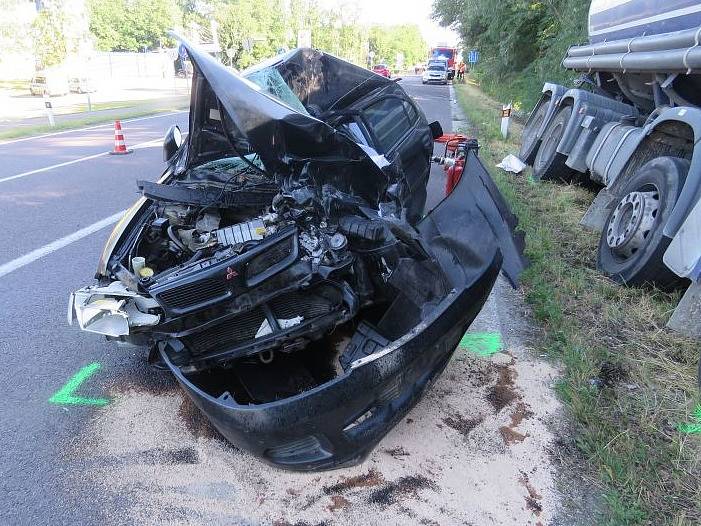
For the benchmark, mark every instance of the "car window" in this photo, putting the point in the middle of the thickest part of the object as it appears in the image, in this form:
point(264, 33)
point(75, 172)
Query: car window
point(355, 132)
point(411, 111)
point(270, 80)
point(388, 121)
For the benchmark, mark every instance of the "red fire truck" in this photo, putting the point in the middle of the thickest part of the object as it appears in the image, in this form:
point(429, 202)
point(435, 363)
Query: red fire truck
point(448, 54)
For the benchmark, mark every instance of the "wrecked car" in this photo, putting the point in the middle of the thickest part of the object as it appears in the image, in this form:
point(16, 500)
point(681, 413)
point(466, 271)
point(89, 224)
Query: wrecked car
point(282, 267)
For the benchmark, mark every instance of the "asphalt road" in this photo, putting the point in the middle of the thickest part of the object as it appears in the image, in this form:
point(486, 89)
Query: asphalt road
point(91, 463)
point(38, 350)
point(52, 187)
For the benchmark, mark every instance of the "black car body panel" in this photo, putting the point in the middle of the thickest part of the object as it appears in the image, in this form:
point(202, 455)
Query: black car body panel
point(339, 422)
point(275, 267)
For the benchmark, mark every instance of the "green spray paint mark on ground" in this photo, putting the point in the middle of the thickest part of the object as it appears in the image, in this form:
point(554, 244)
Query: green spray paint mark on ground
point(481, 343)
point(692, 427)
point(66, 396)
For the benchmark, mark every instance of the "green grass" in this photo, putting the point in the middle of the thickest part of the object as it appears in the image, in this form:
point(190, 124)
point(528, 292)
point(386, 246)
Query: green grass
point(648, 469)
point(88, 120)
point(19, 85)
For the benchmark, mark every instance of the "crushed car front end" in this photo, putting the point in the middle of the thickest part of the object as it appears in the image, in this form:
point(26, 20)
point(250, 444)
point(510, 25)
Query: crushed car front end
point(272, 268)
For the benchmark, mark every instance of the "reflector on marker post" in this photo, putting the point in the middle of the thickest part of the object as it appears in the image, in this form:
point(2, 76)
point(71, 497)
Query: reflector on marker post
point(505, 118)
point(120, 147)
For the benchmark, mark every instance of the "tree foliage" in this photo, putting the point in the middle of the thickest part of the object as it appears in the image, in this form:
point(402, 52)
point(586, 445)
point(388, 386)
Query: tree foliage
point(521, 42)
point(388, 41)
point(250, 30)
point(48, 36)
point(131, 25)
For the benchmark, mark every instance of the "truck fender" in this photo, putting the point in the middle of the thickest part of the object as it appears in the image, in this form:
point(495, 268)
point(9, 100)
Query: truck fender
point(594, 111)
point(612, 153)
point(551, 95)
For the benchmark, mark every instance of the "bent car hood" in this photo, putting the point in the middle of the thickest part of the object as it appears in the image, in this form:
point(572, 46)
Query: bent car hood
point(273, 129)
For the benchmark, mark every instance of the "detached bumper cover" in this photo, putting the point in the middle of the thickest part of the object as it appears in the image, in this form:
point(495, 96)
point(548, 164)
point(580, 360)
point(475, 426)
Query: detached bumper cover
point(338, 423)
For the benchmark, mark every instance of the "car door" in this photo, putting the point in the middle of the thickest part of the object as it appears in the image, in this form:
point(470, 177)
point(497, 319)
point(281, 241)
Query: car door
point(399, 130)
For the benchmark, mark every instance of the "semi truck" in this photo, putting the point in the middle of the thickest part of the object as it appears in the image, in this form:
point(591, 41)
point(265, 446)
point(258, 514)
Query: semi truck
point(449, 54)
point(632, 124)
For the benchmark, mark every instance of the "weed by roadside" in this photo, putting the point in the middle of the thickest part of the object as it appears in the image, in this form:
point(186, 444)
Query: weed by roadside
point(628, 381)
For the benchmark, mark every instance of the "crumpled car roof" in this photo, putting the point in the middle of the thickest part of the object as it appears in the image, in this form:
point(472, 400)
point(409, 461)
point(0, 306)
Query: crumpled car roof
point(322, 81)
point(280, 134)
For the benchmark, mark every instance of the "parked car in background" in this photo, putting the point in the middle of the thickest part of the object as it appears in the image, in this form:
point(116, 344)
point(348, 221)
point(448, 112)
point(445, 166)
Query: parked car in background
point(435, 72)
point(382, 69)
point(49, 83)
point(81, 85)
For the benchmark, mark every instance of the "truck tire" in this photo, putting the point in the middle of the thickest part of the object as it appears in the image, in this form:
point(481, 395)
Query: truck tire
point(548, 164)
point(529, 139)
point(632, 243)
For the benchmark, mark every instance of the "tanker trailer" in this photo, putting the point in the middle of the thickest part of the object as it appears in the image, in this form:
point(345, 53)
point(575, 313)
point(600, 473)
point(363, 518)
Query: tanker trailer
point(632, 124)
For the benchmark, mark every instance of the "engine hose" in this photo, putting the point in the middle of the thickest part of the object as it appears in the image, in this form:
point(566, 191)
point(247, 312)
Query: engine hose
point(174, 239)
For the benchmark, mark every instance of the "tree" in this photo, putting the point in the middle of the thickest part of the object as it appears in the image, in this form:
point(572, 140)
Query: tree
point(48, 38)
point(387, 41)
point(521, 42)
point(131, 25)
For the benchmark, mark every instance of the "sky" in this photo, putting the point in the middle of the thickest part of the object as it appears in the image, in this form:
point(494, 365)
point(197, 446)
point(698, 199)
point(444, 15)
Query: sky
point(401, 12)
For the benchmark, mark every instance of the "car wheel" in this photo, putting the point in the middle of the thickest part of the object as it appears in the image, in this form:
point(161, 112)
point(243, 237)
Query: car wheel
point(548, 163)
point(529, 139)
point(632, 242)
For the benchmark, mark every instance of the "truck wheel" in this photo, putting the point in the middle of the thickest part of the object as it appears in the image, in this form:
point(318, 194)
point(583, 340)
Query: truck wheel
point(529, 139)
point(632, 243)
point(548, 164)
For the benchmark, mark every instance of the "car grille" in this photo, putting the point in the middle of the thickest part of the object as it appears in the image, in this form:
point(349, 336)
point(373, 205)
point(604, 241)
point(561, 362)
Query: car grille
point(228, 334)
point(243, 328)
point(194, 293)
point(310, 304)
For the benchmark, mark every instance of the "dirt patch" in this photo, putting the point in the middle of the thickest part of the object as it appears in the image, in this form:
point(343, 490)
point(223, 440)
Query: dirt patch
point(533, 496)
point(197, 423)
point(503, 393)
point(511, 436)
point(397, 453)
point(405, 487)
point(369, 479)
point(509, 433)
point(461, 424)
point(338, 502)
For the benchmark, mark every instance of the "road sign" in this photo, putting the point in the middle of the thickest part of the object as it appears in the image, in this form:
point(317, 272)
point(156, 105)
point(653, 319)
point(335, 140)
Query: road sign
point(47, 104)
point(473, 57)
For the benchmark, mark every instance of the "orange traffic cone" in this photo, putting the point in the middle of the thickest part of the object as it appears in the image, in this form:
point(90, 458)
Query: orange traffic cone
point(119, 147)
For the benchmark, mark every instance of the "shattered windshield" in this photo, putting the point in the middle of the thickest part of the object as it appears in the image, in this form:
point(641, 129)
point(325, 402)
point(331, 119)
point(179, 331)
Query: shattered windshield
point(270, 80)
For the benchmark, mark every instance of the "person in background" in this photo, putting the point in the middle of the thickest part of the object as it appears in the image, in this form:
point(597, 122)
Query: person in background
point(461, 71)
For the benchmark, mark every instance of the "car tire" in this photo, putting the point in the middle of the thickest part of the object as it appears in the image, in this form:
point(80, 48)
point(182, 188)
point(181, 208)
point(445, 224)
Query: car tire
point(548, 164)
point(529, 140)
point(632, 242)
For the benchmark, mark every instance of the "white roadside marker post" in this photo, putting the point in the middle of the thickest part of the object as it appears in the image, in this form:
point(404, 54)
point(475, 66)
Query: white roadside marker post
point(505, 118)
point(49, 110)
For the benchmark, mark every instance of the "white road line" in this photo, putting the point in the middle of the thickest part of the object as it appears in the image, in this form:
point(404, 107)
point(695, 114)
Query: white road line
point(21, 261)
point(67, 163)
point(12, 141)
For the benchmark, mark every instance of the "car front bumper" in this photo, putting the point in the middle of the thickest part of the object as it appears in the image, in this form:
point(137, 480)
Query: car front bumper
point(337, 423)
